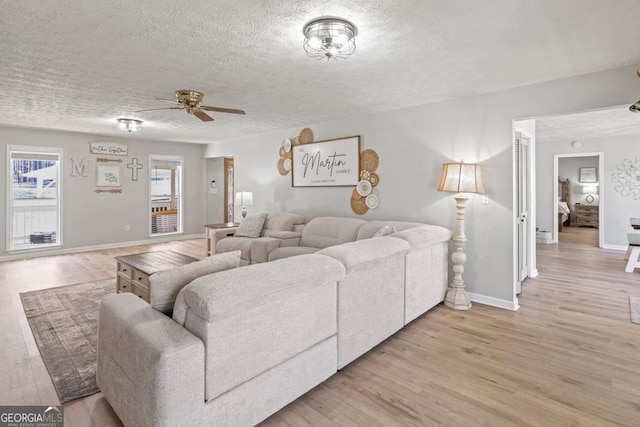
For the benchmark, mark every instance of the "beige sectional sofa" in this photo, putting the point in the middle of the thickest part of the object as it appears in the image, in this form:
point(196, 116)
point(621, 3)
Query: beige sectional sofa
point(245, 342)
point(280, 228)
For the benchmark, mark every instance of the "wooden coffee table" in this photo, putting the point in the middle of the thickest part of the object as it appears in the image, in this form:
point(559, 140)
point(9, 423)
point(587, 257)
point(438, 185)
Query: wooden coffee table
point(134, 270)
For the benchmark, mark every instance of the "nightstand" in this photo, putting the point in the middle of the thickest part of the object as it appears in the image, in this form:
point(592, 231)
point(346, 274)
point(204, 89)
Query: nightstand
point(586, 215)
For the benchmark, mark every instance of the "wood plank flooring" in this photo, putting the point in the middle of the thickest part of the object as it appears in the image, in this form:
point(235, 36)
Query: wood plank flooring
point(569, 357)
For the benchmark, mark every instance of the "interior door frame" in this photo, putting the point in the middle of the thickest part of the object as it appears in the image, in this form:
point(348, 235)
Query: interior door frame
point(530, 231)
point(228, 163)
point(523, 221)
point(600, 156)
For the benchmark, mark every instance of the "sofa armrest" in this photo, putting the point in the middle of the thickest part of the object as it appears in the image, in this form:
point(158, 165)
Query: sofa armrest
point(150, 369)
point(261, 247)
point(287, 238)
point(215, 235)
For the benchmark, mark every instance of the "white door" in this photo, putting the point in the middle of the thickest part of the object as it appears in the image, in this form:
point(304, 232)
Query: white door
point(522, 205)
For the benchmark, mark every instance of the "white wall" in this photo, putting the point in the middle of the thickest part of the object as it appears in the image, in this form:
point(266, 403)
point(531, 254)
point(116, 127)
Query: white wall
point(616, 209)
point(91, 219)
point(413, 143)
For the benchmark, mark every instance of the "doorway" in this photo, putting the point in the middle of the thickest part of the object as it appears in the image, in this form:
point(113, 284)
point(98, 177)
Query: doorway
point(219, 194)
point(581, 176)
point(229, 190)
point(165, 190)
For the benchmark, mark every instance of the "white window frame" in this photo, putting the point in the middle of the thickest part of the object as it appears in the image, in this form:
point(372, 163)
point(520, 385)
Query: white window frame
point(180, 223)
point(9, 196)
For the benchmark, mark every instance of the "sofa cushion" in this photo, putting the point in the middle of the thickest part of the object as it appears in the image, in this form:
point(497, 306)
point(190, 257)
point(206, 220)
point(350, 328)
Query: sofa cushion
point(372, 227)
point(233, 243)
point(166, 284)
point(424, 235)
point(251, 226)
point(281, 221)
point(363, 254)
point(254, 318)
point(326, 231)
point(289, 251)
point(385, 230)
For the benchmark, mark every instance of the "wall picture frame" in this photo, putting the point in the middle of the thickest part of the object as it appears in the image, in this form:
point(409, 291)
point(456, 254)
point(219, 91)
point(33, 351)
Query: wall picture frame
point(108, 176)
point(589, 175)
point(330, 163)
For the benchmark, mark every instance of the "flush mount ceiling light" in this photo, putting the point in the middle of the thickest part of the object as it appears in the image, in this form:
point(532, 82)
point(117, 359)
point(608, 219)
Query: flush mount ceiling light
point(329, 37)
point(130, 125)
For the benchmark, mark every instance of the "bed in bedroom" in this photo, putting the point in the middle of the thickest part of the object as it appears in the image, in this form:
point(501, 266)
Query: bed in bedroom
point(564, 211)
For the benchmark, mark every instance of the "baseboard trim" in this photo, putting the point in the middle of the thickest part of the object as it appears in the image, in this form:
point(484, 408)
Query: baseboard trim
point(494, 302)
point(44, 253)
point(615, 247)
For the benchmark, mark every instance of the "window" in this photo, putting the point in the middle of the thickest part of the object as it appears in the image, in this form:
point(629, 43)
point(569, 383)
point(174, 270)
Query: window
point(33, 197)
point(165, 189)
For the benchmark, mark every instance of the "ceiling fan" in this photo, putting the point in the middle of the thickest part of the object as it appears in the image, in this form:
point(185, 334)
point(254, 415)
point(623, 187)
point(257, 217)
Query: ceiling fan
point(191, 102)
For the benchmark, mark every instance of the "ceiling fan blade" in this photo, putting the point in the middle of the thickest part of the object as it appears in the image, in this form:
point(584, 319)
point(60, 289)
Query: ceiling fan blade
point(173, 101)
point(203, 116)
point(221, 110)
point(156, 109)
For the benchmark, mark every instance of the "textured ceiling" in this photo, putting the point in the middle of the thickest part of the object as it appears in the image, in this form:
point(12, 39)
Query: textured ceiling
point(590, 124)
point(79, 65)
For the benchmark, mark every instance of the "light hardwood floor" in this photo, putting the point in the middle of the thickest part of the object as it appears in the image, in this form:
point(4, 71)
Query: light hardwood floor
point(569, 356)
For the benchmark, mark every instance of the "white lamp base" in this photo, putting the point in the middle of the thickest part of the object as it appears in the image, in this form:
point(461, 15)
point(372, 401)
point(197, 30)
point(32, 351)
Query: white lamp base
point(457, 298)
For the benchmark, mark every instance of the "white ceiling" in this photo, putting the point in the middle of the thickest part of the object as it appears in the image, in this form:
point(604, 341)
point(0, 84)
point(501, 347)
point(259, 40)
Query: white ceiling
point(78, 65)
point(586, 125)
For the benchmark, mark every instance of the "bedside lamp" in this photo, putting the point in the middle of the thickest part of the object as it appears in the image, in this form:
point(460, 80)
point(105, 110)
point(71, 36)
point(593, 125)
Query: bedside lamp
point(589, 190)
point(244, 199)
point(460, 178)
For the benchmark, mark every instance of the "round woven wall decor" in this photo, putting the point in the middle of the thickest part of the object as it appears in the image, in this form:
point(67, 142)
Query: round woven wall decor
point(369, 160)
point(358, 206)
point(281, 170)
point(306, 136)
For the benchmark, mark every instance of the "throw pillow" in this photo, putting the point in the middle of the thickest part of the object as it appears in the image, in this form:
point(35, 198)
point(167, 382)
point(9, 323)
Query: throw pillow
point(251, 226)
point(387, 229)
point(165, 285)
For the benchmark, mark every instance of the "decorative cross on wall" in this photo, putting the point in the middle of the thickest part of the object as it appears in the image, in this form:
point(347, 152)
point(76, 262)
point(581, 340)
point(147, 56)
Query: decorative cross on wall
point(134, 166)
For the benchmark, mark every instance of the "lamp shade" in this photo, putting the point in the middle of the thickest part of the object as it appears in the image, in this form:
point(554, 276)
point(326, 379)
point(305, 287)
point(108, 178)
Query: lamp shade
point(461, 178)
point(244, 198)
point(589, 189)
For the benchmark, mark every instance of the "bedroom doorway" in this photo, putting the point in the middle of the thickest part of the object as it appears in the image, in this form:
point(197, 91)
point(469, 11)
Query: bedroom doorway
point(579, 190)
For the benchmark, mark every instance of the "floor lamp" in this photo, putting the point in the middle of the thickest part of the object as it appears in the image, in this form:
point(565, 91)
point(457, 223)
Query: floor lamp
point(460, 178)
point(244, 199)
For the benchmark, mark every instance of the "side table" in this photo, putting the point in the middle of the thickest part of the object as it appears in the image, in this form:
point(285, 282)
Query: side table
point(215, 232)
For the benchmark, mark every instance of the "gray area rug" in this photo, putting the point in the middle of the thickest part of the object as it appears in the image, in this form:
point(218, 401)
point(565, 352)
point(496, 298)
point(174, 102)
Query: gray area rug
point(634, 304)
point(64, 322)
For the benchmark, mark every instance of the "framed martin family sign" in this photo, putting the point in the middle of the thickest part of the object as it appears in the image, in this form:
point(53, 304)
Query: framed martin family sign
point(331, 163)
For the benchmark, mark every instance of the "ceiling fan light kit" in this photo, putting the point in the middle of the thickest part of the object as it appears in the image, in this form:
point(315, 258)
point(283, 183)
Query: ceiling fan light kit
point(191, 102)
point(329, 37)
point(130, 125)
